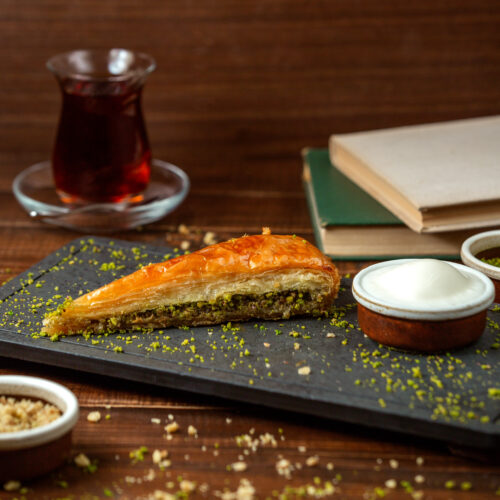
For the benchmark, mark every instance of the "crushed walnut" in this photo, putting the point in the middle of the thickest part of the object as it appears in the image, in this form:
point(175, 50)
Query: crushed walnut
point(304, 370)
point(187, 486)
point(172, 427)
point(163, 495)
point(391, 484)
point(159, 455)
point(23, 414)
point(12, 486)
point(209, 238)
point(284, 468)
point(312, 461)
point(245, 491)
point(239, 466)
point(82, 460)
point(94, 416)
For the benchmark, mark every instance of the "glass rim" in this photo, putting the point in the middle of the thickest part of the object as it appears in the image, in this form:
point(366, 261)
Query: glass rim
point(53, 65)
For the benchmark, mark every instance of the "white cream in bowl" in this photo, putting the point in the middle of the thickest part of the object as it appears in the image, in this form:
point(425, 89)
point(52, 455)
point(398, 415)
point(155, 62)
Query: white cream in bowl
point(424, 283)
point(425, 289)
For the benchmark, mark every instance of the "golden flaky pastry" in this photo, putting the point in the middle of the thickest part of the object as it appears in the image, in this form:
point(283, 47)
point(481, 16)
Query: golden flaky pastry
point(264, 276)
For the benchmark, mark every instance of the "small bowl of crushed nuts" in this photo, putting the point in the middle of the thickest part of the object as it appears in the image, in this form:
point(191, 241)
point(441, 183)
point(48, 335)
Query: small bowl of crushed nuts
point(37, 417)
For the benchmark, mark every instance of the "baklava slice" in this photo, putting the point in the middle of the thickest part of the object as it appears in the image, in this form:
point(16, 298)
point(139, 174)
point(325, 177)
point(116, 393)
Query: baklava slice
point(264, 276)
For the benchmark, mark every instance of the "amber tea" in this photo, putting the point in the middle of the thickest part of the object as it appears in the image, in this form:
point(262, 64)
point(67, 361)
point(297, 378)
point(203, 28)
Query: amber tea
point(101, 153)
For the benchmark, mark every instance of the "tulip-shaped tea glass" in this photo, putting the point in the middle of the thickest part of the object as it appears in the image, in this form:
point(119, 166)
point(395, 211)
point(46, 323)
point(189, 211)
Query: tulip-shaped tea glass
point(101, 177)
point(101, 153)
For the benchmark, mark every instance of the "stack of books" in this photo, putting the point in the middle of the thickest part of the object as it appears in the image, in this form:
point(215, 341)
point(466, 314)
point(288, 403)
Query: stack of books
point(408, 191)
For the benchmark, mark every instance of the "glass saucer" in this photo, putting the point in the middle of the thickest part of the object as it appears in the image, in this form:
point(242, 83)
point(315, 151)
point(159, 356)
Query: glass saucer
point(34, 189)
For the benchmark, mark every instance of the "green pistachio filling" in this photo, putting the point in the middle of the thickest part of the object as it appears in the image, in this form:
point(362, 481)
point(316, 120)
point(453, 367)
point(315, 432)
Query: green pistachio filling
point(272, 305)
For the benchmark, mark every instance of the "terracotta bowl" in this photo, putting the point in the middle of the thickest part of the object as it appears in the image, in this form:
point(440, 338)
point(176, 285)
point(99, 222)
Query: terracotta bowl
point(483, 243)
point(427, 330)
point(30, 453)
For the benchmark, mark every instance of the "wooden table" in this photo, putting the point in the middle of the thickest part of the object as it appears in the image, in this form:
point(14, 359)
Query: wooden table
point(240, 88)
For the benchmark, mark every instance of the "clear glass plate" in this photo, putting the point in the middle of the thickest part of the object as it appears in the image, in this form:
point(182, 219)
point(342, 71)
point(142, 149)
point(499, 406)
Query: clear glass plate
point(34, 190)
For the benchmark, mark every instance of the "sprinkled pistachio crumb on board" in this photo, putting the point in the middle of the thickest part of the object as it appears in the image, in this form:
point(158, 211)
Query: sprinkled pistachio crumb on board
point(459, 386)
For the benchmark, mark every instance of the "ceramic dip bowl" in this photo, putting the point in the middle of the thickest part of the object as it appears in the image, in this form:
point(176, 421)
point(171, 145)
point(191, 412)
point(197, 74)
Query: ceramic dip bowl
point(483, 245)
point(33, 452)
point(431, 325)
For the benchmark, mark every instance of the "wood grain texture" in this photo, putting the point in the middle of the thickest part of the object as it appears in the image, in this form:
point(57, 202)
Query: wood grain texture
point(241, 87)
point(363, 459)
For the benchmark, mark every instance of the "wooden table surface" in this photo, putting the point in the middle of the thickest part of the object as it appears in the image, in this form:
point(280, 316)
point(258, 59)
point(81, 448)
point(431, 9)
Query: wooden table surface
point(241, 87)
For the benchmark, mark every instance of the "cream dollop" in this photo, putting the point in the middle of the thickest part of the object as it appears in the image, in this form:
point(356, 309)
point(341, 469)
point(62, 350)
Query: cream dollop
point(423, 283)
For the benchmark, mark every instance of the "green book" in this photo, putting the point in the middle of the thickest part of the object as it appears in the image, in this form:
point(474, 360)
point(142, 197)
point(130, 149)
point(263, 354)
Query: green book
point(349, 224)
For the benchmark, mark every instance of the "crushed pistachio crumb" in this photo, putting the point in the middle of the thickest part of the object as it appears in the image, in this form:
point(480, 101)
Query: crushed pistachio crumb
point(138, 454)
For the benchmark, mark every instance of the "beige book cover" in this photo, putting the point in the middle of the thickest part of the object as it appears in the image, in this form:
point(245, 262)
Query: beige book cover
point(436, 177)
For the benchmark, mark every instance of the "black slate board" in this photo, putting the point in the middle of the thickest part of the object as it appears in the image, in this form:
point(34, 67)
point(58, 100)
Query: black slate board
point(452, 397)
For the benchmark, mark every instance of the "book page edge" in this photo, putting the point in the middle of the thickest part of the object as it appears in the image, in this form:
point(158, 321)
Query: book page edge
point(361, 174)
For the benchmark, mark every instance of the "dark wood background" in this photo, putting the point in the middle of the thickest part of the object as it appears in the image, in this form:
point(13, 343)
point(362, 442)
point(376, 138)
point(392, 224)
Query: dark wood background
point(241, 87)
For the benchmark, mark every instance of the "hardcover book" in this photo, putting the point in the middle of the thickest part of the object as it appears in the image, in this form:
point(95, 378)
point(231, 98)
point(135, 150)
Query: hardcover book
point(438, 177)
point(349, 224)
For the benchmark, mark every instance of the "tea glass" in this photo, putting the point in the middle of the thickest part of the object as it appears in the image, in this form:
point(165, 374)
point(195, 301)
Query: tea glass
point(101, 152)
